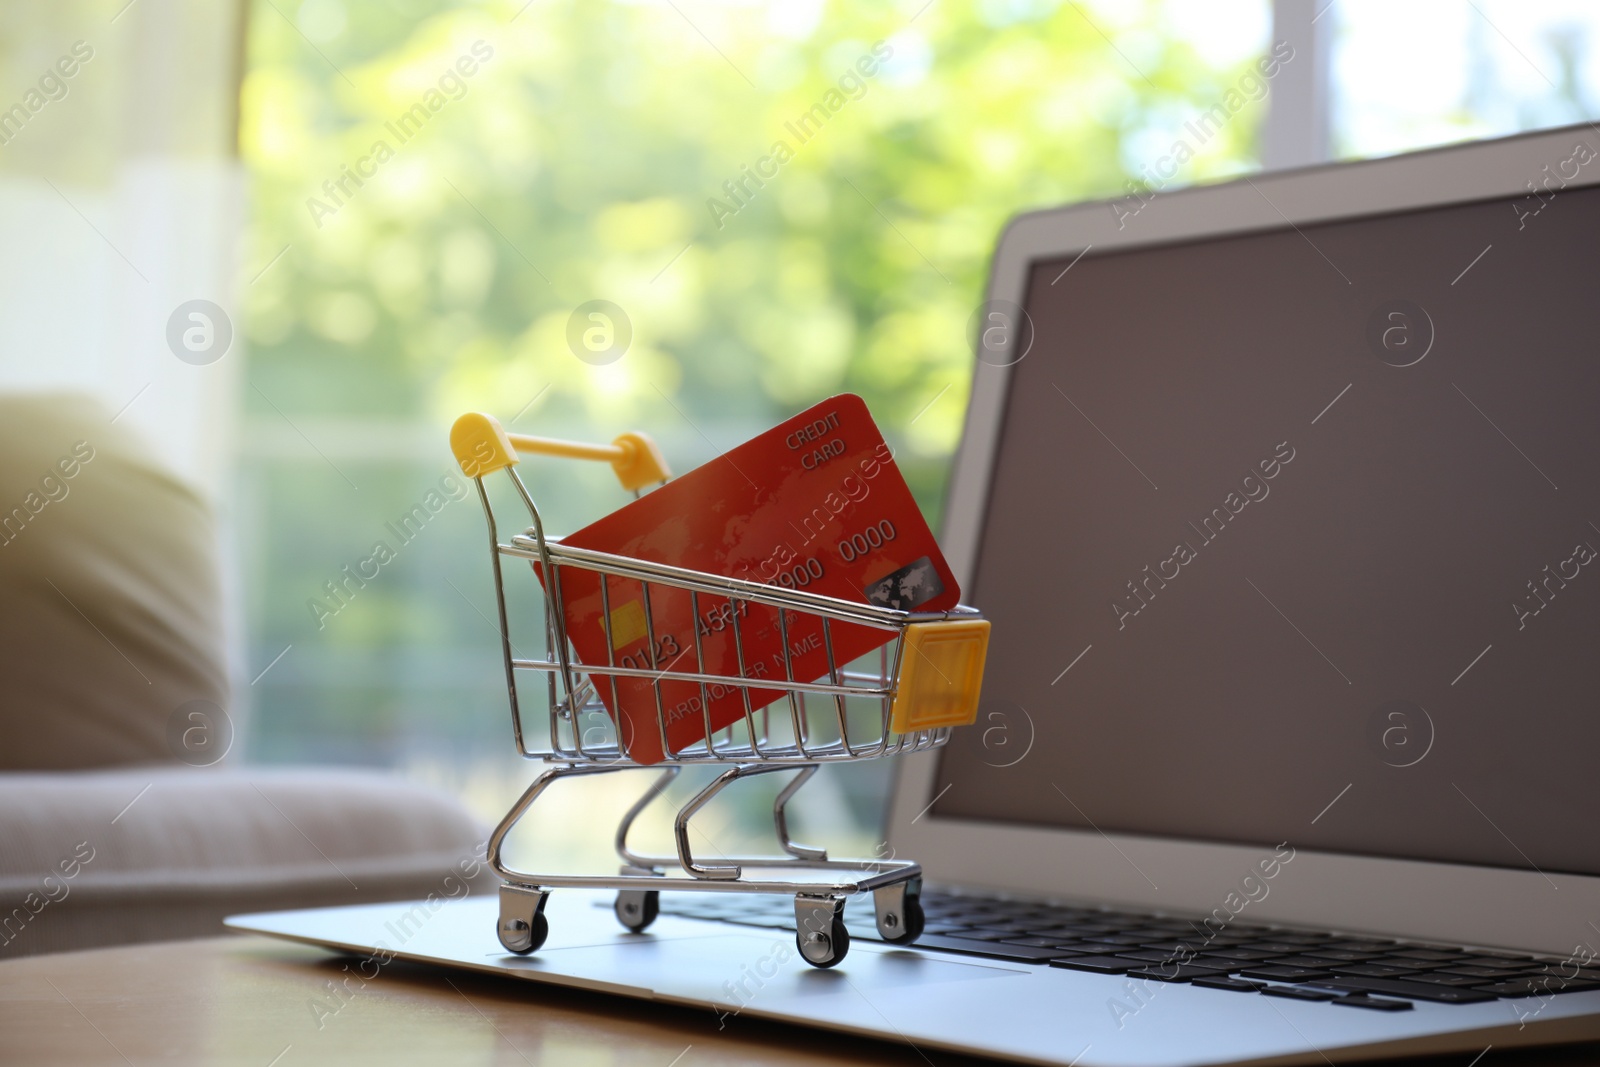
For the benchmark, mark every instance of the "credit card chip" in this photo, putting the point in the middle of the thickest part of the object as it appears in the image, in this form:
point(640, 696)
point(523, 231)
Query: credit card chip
point(627, 624)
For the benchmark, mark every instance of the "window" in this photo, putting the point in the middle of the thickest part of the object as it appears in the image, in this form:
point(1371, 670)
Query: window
point(1407, 76)
point(438, 189)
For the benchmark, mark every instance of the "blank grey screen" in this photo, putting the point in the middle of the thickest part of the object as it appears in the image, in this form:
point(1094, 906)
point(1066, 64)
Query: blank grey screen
point(1290, 536)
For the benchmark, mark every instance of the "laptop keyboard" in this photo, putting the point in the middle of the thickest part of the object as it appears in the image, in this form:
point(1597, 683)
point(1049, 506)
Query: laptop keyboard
point(1360, 972)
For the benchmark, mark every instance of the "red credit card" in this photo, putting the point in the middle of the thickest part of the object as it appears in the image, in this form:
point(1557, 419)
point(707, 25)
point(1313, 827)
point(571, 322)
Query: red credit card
point(815, 504)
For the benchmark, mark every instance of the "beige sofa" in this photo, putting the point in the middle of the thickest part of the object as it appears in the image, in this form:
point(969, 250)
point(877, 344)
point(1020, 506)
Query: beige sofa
point(122, 818)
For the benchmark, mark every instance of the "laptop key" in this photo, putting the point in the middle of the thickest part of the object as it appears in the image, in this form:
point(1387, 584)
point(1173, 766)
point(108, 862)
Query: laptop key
point(1237, 985)
point(1482, 972)
point(1071, 933)
point(1376, 970)
point(991, 949)
point(1244, 955)
point(1345, 955)
point(1235, 935)
point(1426, 954)
point(1285, 974)
point(1535, 987)
point(1438, 978)
point(1363, 1000)
point(1282, 948)
point(1399, 987)
point(1173, 930)
point(1211, 960)
point(1089, 948)
point(1554, 971)
point(1097, 964)
point(1150, 955)
point(1366, 946)
point(986, 934)
point(1176, 972)
point(1316, 963)
point(1294, 992)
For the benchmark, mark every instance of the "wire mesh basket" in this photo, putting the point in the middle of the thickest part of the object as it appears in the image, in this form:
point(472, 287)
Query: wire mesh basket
point(906, 697)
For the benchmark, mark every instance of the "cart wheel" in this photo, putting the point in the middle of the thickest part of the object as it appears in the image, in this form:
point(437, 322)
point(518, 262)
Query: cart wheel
point(824, 949)
point(523, 937)
point(913, 924)
point(637, 908)
point(899, 912)
point(522, 927)
point(820, 933)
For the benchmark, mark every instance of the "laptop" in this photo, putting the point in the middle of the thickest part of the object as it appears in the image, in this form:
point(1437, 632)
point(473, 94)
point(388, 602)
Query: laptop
point(1283, 498)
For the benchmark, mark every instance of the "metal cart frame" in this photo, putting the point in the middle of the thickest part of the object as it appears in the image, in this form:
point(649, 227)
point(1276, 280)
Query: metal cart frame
point(926, 682)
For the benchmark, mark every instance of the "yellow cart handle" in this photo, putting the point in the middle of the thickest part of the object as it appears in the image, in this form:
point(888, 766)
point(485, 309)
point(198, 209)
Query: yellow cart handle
point(482, 446)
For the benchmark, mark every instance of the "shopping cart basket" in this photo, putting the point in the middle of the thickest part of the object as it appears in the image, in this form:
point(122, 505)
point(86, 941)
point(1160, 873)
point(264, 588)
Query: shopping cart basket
point(926, 681)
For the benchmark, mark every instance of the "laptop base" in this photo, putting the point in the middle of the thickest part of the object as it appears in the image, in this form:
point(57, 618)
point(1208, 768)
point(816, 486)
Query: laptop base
point(1019, 1012)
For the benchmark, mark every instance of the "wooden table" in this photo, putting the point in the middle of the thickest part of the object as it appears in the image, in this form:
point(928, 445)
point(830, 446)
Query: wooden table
point(248, 1001)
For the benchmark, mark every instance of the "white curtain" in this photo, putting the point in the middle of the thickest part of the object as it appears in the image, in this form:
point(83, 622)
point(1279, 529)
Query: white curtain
point(121, 198)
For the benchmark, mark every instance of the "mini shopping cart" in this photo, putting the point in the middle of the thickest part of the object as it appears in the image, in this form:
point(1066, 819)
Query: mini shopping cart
point(926, 682)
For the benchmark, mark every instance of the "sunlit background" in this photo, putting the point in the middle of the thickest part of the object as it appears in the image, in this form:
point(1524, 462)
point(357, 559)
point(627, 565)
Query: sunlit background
point(574, 151)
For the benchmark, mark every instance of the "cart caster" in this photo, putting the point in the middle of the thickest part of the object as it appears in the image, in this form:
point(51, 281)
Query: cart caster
point(819, 930)
point(637, 908)
point(899, 908)
point(523, 926)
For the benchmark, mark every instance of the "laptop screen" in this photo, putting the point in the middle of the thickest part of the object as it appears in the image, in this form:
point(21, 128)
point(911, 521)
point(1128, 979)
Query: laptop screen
point(1292, 535)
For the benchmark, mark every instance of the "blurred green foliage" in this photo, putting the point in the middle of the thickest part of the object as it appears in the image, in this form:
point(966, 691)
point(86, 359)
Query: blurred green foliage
point(581, 159)
point(578, 163)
